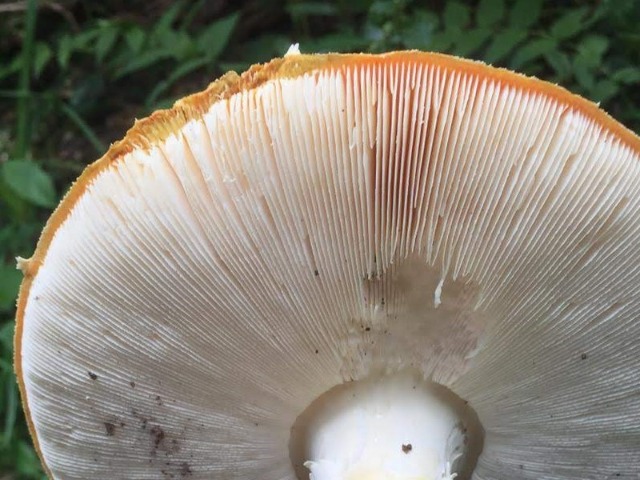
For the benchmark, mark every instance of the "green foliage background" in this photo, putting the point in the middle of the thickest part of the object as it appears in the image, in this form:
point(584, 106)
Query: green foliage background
point(75, 73)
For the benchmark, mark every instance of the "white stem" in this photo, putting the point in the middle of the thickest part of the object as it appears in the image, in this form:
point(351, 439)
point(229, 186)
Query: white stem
point(392, 428)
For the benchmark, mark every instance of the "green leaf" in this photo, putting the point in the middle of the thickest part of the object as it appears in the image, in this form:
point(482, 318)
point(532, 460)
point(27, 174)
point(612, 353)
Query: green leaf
point(570, 24)
point(106, 40)
point(419, 32)
point(584, 74)
point(41, 56)
point(5, 370)
point(85, 40)
point(163, 39)
point(525, 13)
point(337, 42)
point(381, 10)
point(10, 279)
point(443, 41)
point(456, 16)
point(194, 11)
point(7, 332)
point(489, 12)
point(604, 90)
point(560, 63)
point(503, 43)
point(64, 51)
point(214, 38)
point(29, 182)
point(13, 207)
point(169, 17)
point(177, 74)
point(11, 410)
point(311, 9)
point(180, 43)
point(27, 462)
point(13, 67)
point(591, 50)
point(471, 41)
point(627, 75)
point(144, 60)
point(16, 237)
point(135, 38)
point(262, 48)
point(532, 51)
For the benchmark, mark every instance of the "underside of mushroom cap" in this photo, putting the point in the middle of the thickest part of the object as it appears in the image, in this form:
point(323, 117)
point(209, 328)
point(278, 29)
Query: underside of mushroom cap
point(322, 219)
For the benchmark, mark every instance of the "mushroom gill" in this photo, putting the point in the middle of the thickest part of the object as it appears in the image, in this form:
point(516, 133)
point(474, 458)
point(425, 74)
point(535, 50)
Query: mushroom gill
point(343, 219)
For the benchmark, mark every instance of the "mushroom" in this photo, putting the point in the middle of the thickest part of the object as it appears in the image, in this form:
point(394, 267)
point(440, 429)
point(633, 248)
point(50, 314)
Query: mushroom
point(341, 267)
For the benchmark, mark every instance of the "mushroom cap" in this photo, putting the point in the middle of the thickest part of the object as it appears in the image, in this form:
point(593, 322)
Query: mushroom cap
point(324, 218)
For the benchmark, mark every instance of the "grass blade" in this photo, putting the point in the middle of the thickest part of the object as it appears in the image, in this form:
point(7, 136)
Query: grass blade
point(84, 128)
point(23, 128)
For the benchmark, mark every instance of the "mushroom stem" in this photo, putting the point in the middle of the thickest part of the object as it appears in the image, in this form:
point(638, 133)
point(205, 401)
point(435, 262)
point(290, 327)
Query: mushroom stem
point(392, 427)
